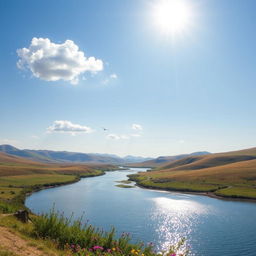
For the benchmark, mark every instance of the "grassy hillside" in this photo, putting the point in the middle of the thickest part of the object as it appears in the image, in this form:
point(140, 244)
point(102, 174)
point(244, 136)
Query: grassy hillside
point(211, 160)
point(159, 161)
point(231, 174)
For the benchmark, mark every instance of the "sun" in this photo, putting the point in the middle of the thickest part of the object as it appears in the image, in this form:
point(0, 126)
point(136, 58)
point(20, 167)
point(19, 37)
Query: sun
point(172, 16)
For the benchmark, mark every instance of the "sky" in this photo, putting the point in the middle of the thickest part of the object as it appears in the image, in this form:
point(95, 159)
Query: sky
point(102, 76)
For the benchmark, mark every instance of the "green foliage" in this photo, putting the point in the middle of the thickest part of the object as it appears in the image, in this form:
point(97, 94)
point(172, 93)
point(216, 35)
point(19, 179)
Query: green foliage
point(83, 239)
point(6, 207)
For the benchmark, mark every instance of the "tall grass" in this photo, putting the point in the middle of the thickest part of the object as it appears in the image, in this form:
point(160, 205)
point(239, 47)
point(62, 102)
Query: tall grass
point(6, 207)
point(84, 239)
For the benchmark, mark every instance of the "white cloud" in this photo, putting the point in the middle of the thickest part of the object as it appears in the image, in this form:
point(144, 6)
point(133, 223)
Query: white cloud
point(117, 137)
point(137, 127)
point(52, 62)
point(113, 136)
point(108, 79)
point(63, 126)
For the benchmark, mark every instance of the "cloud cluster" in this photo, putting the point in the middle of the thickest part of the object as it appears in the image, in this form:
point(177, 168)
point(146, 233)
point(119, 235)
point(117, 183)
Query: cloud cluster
point(52, 62)
point(137, 127)
point(64, 126)
point(117, 137)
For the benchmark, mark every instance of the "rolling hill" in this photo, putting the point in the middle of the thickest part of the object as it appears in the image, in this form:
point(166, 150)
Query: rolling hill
point(49, 156)
point(161, 160)
point(229, 174)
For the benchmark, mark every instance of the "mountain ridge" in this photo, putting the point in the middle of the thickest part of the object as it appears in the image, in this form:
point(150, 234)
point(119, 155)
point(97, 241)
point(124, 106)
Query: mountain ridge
point(51, 156)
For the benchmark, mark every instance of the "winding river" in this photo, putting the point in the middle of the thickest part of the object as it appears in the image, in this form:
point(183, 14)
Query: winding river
point(211, 226)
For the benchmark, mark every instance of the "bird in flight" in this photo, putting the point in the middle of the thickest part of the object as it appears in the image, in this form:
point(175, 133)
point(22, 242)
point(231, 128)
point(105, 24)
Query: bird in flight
point(104, 129)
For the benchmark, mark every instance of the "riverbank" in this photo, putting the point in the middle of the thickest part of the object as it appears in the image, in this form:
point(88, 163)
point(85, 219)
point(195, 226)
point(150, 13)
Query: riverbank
point(209, 190)
point(17, 200)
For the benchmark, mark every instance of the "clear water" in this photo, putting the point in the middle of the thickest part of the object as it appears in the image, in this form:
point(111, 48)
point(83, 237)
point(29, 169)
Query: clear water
point(211, 226)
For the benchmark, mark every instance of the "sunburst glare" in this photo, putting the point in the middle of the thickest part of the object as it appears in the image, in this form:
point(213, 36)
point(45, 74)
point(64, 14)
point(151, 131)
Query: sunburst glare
point(172, 16)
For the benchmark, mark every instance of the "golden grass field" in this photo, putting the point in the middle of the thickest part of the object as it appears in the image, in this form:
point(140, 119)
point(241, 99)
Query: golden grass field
point(231, 174)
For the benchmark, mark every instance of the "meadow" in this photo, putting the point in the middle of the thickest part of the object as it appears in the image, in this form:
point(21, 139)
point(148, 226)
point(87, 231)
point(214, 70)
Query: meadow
point(20, 176)
point(231, 174)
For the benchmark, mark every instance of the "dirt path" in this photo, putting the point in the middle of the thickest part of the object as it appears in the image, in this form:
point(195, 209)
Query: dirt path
point(15, 244)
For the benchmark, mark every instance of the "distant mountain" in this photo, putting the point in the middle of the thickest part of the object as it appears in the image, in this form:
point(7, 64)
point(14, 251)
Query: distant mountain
point(136, 159)
point(161, 160)
point(49, 156)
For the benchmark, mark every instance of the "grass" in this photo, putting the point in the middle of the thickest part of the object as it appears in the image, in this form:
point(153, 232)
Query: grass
point(4, 252)
point(83, 239)
point(243, 192)
point(25, 232)
point(124, 186)
point(35, 179)
point(174, 185)
point(54, 234)
point(124, 181)
point(228, 175)
point(8, 193)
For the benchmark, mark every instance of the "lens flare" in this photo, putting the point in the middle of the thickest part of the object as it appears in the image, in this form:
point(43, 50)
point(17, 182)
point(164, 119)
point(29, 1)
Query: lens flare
point(172, 16)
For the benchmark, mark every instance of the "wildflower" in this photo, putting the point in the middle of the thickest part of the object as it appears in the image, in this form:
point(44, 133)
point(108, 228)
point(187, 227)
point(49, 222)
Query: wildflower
point(113, 249)
point(97, 247)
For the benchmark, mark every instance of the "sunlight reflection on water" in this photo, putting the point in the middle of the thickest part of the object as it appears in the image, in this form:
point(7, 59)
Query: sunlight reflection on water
point(176, 219)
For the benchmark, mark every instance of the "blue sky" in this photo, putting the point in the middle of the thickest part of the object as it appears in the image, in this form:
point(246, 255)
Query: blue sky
point(190, 92)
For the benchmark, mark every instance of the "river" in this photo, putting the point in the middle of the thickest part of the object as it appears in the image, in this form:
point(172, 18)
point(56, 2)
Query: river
point(211, 226)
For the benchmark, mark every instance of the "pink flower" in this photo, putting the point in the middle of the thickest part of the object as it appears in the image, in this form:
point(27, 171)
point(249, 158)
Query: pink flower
point(97, 247)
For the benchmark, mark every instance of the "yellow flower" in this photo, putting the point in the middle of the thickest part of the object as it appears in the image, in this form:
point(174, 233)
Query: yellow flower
point(132, 251)
point(113, 249)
